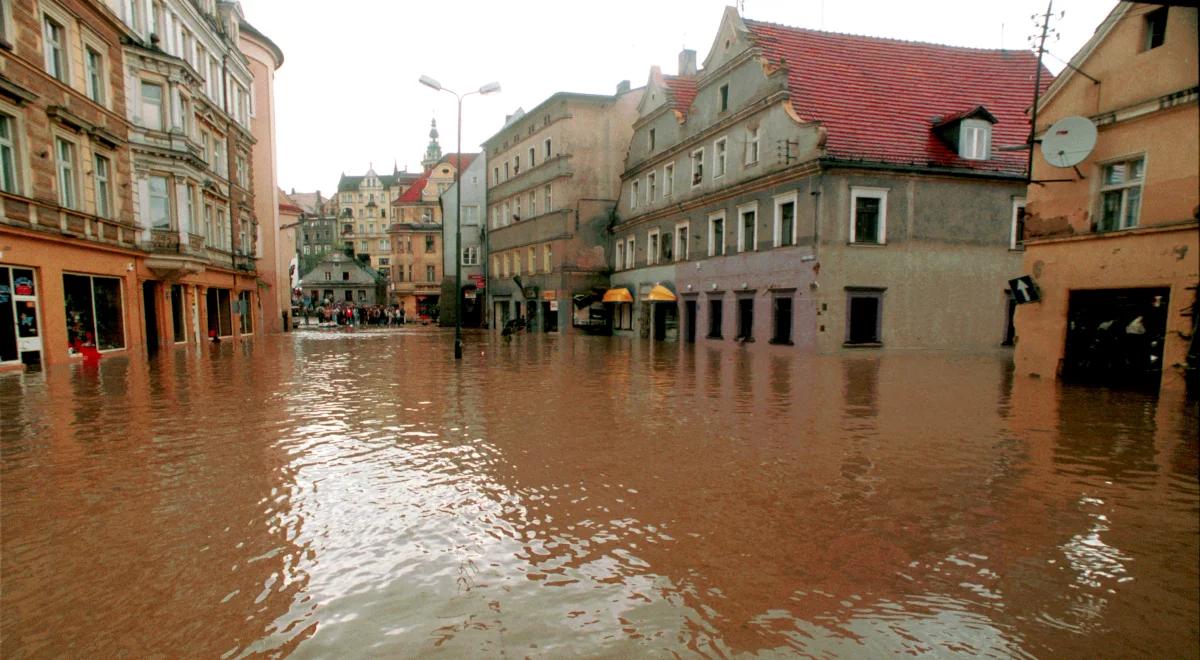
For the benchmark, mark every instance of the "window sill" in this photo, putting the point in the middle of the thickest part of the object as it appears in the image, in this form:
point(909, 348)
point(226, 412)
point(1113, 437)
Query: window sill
point(866, 245)
point(781, 342)
point(863, 344)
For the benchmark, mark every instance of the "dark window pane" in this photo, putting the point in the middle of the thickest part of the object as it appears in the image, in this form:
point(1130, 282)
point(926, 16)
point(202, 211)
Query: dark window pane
point(866, 220)
point(745, 318)
point(714, 319)
point(783, 321)
point(77, 299)
point(864, 320)
point(110, 322)
point(8, 337)
point(787, 214)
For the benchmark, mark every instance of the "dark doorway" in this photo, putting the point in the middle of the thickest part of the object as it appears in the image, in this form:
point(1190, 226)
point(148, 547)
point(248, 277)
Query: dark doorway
point(714, 319)
point(782, 332)
point(664, 319)
point(745, 319)
point(1115, 337)
point(1010, 327)
point(150, 307)
point(689, 329)
point(549, 318)
point(863, 323)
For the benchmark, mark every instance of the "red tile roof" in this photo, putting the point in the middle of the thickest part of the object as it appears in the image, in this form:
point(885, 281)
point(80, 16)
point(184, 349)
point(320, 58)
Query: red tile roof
point(879, 98)
point(413, 194)
point(454, 159)
point(682, 90)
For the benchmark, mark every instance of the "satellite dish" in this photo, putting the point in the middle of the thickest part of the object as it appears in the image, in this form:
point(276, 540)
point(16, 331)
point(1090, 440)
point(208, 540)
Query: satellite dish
point(1068, 141)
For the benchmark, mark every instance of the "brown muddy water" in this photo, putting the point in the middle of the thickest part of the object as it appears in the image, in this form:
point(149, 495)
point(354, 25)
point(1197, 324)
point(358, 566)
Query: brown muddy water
point(353, 495)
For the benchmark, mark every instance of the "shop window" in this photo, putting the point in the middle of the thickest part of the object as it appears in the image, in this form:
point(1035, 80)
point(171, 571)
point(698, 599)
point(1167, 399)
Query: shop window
point(220, 320)
point(245, 313)
point(94, 312)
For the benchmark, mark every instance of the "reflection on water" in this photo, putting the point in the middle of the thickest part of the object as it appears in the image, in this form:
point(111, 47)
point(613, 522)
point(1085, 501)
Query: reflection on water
point(359, 494)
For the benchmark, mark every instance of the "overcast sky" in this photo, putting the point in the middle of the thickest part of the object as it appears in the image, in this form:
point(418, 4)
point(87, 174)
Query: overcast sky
point(347, 95)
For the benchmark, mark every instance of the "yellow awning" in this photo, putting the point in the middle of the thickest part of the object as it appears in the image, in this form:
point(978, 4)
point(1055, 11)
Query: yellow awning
point(618, 295)
point(660, 293)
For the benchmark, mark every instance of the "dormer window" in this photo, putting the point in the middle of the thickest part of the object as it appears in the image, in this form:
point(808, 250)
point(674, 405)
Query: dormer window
point(975, 139)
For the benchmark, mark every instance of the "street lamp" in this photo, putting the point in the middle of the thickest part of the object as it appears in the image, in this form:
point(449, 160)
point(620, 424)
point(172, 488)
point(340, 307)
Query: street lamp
point(486, 89)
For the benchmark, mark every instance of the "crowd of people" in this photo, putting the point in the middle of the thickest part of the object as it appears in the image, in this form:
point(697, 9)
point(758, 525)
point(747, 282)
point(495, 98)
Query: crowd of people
point(352, 314)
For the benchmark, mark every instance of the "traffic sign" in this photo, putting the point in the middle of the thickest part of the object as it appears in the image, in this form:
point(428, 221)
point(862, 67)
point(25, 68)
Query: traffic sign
point(1024, 290)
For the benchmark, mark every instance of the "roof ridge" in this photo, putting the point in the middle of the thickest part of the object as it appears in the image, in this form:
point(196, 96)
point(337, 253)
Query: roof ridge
point(884, 39)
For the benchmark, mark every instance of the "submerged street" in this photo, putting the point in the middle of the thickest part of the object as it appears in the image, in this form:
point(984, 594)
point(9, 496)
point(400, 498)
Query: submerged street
point(330, 493)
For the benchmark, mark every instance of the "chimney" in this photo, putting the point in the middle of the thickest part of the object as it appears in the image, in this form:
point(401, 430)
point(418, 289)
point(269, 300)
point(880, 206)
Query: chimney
point(687, 62)
point(622, 87)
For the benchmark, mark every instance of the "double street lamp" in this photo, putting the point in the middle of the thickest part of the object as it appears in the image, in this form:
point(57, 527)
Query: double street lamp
point(486, 89)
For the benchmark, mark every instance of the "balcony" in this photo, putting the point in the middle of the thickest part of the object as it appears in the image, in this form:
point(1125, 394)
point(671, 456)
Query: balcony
point(172, 257)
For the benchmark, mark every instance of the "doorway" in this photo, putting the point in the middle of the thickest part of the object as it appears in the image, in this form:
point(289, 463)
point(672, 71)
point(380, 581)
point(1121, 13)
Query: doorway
point(689, 328)
point(1115, 337)
point(549, 317)
point(150, 314)
point(666, 320)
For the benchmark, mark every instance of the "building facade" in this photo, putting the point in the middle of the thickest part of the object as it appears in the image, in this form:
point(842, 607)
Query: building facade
point(767, 199)
point(317, 233)
point(416, 237)
point(551, 189)
point(70, 242)
point(363, 205)
point(1112, 242)
point(339, 279)
point(471, 266)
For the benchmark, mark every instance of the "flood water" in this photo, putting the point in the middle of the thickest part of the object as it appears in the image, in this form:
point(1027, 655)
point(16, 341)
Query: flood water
point(326, 494)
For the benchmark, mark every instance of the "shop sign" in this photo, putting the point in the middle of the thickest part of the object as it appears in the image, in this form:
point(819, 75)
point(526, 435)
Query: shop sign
point(549, 295)
point(554, 305)
point(23, 286)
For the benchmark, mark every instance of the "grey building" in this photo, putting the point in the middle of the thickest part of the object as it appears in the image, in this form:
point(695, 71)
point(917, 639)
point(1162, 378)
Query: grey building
point(340, 279)
point(317, 232)
point(553, 180)
point(823, 190)
point(474, 203)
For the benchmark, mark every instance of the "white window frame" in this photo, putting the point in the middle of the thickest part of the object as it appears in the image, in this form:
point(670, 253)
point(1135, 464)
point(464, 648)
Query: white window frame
point(668, 180)
point(1018, 203)
point(161, 108)
point(470, 255)
point(94, 74)
point(715, 250)
point(779, 200)
point(619, 255)
point(697, 167)
point(59, 69)
point(102, 171)
point(630, 252)
point(651, 187)
point(11, 170)
point(681, 254)
point(653, 239)
point(548, 197)
point(720, 157)
point(1123, 187)
point(975, 139)
point(547, 258)
point(634, 193)
point(752, 142)
point(531, 259)
point(67, 172)
point(742, 243)
point(877, 193)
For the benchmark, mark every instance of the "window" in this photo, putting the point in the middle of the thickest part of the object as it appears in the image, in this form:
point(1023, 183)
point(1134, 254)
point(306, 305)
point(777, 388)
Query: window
point(1017, 239)
point(531, 256)
point(1121, 194)
point(428, 244)
point(470, 215)
point(516, 263)
point(697, 167)
point(723, 97)
point(160, 203)
point(719, 158)
point(363, 247)
point(634, 192)
point(210, 230)
point(506, 171)
point(385, 244)
point(495, 175)
point(95, 75)
point(1156, 28)
point(245, 315)
point(652, 247)
point(716, 234)
point(495, 217)
point(8, 154)
point(94, 314)
point(868, 216)
point(748, 228)
point(751, 145)
point(516, 165)
point(714, 317)
point(5, 27)
point(863, 317)
point(630, 252)
point(547, 258)
point(152, 107)
point(54, 37)
point(517, 208)
point(532, 154)
point(651, 187)
point(650, 139)
point(781, 331)
point(547, 199)
point(619, 264)
point(681, 242)
point(785, 220)
point(67, 188)
point(430, 273)
point(668, 179)
point(546, 150)
point(189, 209)
point(470, 255)
point(975, 139)
point(745, 318)
point(102, 180)
point(532, 203)
point(345, 276)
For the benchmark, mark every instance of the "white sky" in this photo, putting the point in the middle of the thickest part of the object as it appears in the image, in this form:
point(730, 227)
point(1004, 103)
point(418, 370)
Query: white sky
point(347, 95)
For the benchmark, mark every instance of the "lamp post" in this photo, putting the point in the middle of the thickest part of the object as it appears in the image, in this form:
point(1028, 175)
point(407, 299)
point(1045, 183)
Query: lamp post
point(486, 89)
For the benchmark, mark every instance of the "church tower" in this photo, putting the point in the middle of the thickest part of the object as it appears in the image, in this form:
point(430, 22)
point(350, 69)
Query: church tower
point(433, 153)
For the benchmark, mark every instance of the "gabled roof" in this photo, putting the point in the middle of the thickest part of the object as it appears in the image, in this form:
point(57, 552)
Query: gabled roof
point(878, 98)
point(348, 183)
point(414, 192)
point(459, 161)
point(682, 90)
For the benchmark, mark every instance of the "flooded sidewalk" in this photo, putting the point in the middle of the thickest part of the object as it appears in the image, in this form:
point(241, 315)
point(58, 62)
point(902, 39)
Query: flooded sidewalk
point(360, 494)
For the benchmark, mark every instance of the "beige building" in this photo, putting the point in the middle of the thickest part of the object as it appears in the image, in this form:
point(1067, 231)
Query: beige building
point(1112, 242)
point(415, 269)
point(364, 213)
point(553, 181)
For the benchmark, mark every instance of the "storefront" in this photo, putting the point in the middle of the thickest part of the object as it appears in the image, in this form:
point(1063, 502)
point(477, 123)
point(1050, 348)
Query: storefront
point(20, 322)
